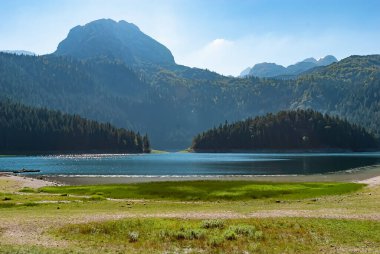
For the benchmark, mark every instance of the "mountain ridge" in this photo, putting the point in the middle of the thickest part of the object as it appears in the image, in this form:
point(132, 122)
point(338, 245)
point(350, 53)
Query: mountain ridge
point(114, 40)
point(270, 70)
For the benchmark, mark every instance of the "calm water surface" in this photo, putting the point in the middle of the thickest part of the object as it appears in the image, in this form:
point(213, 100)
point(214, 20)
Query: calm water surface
point(185, 164)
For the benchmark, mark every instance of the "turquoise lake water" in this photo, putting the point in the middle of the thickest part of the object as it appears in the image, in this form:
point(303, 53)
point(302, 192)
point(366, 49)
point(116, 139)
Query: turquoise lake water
point(190, 164)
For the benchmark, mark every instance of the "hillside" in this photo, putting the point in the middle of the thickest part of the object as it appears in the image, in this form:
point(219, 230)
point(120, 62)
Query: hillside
point(32, 130)
point(172, 103)
point(286, 130)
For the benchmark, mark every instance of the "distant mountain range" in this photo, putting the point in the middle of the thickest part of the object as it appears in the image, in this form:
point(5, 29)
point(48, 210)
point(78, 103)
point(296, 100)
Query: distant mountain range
point(112, 72)
point(268, 70)
point(19, 52)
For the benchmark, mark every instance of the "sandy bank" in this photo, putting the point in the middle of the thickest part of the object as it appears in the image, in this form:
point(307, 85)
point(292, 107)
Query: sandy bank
point(11, 183)
point(374, 181)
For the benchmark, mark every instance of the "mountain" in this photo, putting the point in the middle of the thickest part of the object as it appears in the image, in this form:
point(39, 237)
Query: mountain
point(172, 103)
point(245, 72)
point(114, 40)
point(287, 130)
point(19, 52)
point(30, 130)
point(266, 70)
point(327, 60)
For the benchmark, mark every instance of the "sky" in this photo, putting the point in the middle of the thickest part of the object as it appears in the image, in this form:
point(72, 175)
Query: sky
point(225, 36)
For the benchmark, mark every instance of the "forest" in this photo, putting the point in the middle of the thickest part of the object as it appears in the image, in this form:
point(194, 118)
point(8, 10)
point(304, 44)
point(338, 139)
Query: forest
point(172, 103)
point(287, 130)
point(27, 130)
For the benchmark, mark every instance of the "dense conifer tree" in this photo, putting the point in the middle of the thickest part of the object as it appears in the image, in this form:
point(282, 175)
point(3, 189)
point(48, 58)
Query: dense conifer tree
point(30, 130)
point(300, 129)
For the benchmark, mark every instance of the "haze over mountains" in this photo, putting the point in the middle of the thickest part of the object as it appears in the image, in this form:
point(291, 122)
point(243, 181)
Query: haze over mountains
point(268, 70)
point(112, 72)
point(19, 52)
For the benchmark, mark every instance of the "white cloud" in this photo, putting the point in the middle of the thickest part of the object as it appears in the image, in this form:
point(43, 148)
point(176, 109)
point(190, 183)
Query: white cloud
point(230, 57)
point(211, 56)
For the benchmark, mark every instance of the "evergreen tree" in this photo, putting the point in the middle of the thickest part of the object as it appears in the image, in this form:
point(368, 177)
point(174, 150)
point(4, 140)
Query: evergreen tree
point(300, 129)
point(31, 130)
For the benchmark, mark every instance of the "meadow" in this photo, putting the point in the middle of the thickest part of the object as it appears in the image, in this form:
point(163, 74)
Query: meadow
point(218, 217)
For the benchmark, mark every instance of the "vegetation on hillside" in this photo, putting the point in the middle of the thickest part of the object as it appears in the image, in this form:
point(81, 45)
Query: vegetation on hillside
point(174, 103)
point(300, 129)
point(26, 129)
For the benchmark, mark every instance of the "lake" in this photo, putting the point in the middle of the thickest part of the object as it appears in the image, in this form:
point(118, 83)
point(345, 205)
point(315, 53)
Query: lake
point(190, 164)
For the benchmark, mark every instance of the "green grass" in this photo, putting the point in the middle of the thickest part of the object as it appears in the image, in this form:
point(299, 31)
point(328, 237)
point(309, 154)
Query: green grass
point(209, 190)
point(282, 235)
point(147, 230)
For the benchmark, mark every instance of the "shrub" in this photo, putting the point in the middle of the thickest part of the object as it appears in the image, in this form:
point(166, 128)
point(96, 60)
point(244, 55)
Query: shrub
point(259, 234)
point(212, 224)
point(96, 198)
point(163, 233)
point(133, 236)
point(230, 235)
point(195, 234)
point(215, 241)
point(182, 234)
point(244, 230)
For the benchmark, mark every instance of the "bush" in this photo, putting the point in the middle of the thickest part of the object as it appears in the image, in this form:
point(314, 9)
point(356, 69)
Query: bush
point(164, 233)
point(195, 234)
point(259, 234)
point(212, 224)
point(182, 234)
point(230, 235)
point(244, 230)
point(133, 236)
point(215, 241)
point(96, 198)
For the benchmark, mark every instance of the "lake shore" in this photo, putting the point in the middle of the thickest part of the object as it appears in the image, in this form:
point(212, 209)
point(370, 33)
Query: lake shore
point(13, 182)
point(369, 175)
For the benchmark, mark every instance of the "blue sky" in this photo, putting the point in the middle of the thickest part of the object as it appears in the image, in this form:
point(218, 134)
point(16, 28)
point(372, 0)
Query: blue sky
point(221, 35)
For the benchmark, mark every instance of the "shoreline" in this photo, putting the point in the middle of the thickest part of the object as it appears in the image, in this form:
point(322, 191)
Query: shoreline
point(13, 182)
point(367, 175)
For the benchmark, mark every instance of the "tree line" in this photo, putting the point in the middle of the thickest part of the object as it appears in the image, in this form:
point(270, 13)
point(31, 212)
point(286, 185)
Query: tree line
point(25, 129)
point(299, 129)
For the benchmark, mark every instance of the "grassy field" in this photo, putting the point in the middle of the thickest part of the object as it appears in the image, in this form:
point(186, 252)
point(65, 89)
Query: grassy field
point(224, 236)
point(209, 190)
point(163, 218)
